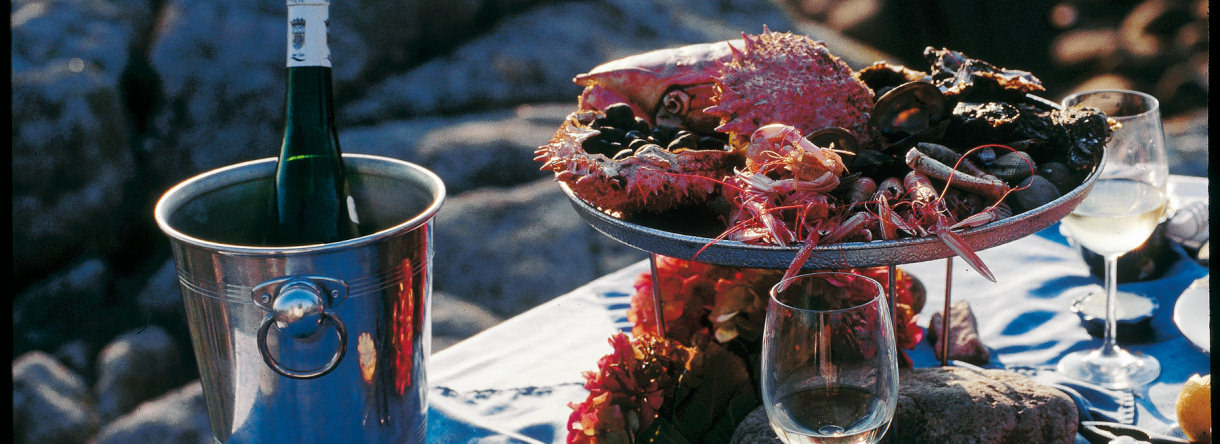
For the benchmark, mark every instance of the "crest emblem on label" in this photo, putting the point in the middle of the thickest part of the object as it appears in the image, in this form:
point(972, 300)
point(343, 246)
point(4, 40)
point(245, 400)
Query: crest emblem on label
point(298, 33)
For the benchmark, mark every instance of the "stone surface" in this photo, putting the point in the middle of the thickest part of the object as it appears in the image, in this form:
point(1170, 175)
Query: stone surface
point(454, 319)
point(504, 66)
point(160, 300)
point(954, 404)
point(179, 416)
point(64, 207)
point(553, 250)
point(960, 405)
point(55, 309)
point(494, 148)
point(77, 356)
point(222, 82)
point(964, 342)
point(135, 367)
point(755, 429)
point(51, 404)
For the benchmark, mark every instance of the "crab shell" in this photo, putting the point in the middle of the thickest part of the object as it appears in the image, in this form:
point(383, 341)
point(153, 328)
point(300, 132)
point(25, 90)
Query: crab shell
point(665, 87)
point(653, 179)
point(780, 77)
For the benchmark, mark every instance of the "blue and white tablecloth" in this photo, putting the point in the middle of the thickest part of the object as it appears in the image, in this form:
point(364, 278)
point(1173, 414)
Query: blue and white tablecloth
point(513, 382)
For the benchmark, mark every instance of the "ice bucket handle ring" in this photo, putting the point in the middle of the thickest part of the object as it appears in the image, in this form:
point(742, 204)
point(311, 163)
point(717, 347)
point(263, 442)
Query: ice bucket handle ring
point(299, 309)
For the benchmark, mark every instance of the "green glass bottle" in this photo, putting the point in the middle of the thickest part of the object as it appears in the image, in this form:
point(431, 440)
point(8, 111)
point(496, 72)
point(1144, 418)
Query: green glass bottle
point(312, 202)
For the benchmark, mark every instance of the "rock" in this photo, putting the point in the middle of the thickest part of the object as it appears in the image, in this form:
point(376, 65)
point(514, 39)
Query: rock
point(964, 343)
point(98, 33)
point(51, 404)
point(1085, 46)
point(221, 66)
point(532, 56)
point(755, 429)
point(224, 96)
point(1186, 139)
point(76, 355)
point(180, 416)
point(160, 299)
point(509, 249)
point(483, 149)
point(955, 404)
point(135, 367)
point(71, 163)
point(455, 319)
point(50, 311)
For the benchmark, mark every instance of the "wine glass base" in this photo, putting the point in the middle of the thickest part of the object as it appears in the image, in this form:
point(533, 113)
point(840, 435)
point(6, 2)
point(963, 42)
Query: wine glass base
point(1117, 370)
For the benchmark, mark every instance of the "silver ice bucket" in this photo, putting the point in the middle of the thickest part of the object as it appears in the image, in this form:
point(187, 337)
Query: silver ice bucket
point(312, 344)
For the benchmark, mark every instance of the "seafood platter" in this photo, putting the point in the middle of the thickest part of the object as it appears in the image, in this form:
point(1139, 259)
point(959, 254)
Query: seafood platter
point(771, 152)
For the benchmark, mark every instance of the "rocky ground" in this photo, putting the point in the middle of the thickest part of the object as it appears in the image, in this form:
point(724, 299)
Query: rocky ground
point(115, 101)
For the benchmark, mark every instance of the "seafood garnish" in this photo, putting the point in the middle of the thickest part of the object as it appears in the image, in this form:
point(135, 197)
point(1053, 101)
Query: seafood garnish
point(791, 147)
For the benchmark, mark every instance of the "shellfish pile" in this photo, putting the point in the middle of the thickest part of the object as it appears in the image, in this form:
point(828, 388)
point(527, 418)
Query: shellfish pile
point(792, 146)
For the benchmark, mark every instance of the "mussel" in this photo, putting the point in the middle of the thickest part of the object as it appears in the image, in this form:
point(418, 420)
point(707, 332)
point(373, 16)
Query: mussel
point(912, 112)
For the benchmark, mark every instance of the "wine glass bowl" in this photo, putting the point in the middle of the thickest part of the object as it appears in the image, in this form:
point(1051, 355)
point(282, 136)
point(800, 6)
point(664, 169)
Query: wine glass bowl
point(1125, 206)
point(829, 364)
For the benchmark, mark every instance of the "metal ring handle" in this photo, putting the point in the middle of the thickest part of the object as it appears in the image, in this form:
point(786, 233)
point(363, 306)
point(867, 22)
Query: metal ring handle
point(303, 374)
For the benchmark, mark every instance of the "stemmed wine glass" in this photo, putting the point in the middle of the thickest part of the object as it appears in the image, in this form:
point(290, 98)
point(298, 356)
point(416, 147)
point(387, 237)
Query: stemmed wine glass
point(1126, 204)
point(829, 365)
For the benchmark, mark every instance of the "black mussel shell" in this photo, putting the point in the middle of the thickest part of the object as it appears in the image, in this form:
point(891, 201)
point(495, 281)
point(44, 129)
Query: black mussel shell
point(909, 109)
point(1034, 192)
point(835, 137)
point(619, 115)
point(1059, 175)
point(910, 113)
point(1013, 166)
point(874, 163)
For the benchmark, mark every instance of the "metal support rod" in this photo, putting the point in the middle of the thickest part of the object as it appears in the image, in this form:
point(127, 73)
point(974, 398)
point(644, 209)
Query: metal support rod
point(892, 285)
point(944, 319)
point(658, 310)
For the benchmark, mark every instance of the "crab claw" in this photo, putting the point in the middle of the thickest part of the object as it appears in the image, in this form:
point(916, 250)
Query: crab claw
point(666, 87)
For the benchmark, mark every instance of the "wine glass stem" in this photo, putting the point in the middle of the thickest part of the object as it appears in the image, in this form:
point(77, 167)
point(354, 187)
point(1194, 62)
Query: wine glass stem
point(1109, 346)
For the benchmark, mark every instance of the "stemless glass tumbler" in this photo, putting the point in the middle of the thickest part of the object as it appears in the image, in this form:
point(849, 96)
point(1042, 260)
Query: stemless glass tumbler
point(829, 364)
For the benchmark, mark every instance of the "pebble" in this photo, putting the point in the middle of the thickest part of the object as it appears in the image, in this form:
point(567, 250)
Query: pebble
point(135, 367)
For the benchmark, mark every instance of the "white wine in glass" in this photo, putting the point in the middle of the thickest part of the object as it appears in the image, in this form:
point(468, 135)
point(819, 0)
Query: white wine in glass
point(1123, 209)
point(829, 364)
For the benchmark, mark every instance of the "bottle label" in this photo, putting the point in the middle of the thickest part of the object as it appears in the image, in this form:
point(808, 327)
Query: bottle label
point(308, 23)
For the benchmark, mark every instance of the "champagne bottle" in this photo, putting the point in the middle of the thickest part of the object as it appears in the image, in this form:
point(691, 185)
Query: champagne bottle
point(312, 202)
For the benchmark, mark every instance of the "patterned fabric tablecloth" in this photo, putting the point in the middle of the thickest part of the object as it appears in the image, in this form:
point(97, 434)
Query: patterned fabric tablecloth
point(513, 382)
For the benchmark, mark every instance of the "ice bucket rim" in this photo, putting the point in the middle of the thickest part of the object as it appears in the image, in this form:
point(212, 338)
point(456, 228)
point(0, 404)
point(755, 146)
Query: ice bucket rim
point(190, 188)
